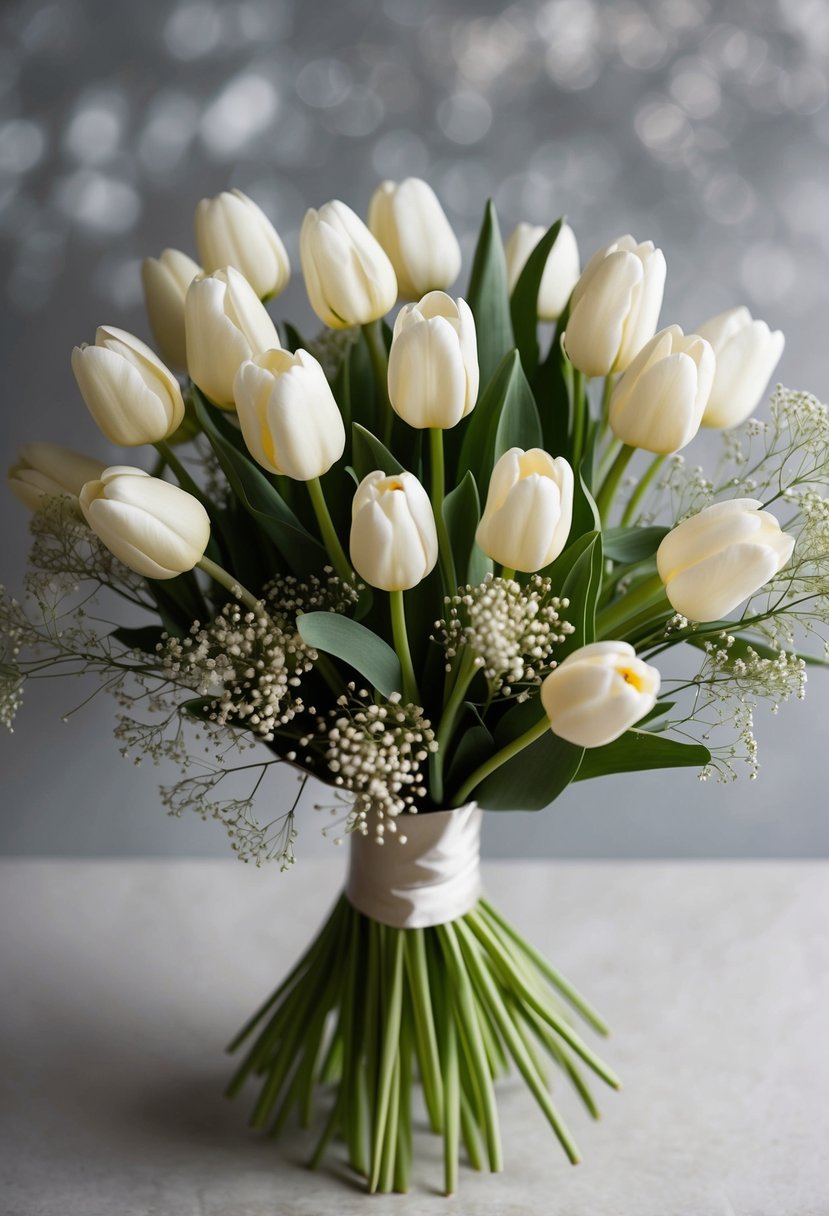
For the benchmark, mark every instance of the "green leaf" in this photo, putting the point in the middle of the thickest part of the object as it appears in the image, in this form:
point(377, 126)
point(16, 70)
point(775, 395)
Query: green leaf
point(488, 296)
point(637, 750)
point(474, 745)
point(505, 417)
point(659, 710)
point(462, 512)
point(368, 454)
point(292, 339)
point(524, 302)
point(144, 638)
point(534, 777)
point(629, 545)
point(263, 501)
point(356, 645)
point(553, 387)
point(586, 516)
point(582, 587)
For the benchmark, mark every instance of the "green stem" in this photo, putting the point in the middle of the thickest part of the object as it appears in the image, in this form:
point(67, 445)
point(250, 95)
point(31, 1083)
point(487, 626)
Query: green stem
point(447, 562)
point(607, 393)
point(507, 572)
point(613, 618)
point(401, 645)
point(580, 415)
point(378, 355)
point(494, 762)
point(186, 482)
point(641, 489)
point(329, 533)
point(604, 499)
point(464, 677)
point(231, 584)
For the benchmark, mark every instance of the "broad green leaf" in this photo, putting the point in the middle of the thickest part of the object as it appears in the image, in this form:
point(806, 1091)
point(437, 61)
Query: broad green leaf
point(659, 710)
point(582, 587)
point(534, 777)
point(637, 750)
point(518, 423)
point(488, 296)
point(368, 454)
point(144, 638)
point(461, 512)
point(629, 545)
point(263, 502)
point(585, 512)
point(553, 388)
point(474, 744)
point(356, 645)
point(524, 301)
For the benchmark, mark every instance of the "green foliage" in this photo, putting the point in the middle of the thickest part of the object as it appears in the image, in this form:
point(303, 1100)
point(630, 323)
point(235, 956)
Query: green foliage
point(629, 545)
point(488, 296)
point(524, 302)
point(356, 645)
point(637, 750)
point(505, 416)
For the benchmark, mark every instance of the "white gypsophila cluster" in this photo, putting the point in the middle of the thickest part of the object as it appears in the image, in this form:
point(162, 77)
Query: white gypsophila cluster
point(511, 630)
point(250, 665)
point(377, 754)
point(734, 678)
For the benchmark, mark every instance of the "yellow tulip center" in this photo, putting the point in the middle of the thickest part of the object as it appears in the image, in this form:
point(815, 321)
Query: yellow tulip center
point(631, 677)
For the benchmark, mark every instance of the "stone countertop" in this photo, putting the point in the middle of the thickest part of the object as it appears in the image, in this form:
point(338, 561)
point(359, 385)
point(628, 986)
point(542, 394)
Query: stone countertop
point(123, 980)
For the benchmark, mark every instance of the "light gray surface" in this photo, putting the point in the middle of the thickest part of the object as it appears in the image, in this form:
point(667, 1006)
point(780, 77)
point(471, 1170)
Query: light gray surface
point(701, 125)
point(123, 980)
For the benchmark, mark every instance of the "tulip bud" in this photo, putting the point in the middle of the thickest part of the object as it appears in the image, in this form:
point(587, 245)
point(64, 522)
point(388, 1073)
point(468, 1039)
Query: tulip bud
point(165, 281)
point(658, 402)
point(47, 470)
point(615, 306)
point(529, 509)
point(129, 392)
point(747, 353)
point(232, 231)
point(289, 418)
point(394, 543)
point(433, 362)
point(561, 270)
point(715, 559)
point(348, 276)
point(599, 692)
point(155, 528)
point(412, 227)
point(226, 323)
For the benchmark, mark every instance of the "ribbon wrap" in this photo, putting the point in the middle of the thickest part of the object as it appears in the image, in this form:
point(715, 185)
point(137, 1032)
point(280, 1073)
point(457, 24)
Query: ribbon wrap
point(433, 878)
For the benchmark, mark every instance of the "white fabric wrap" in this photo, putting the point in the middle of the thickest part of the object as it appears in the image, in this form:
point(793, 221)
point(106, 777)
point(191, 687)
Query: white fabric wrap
point(433, 878)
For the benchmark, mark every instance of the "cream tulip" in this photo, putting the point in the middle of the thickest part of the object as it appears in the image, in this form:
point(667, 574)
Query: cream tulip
point(231, 230)
point(561, 270)
point(598, 692)
point(48, 470)
point(226, 323)
point(747, 353)
point(155, 528)
point(412, 227)
point(289, 418)
point(433, 362)
point(658, 402)
point(129, 392)
point(615, 306)
point(348, 275)
point(394, 542)
point(715, 559)
point(165, 280)
point(529, 509)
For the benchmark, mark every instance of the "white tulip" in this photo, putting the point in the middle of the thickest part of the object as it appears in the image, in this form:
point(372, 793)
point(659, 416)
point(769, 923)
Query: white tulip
point(47, 470)
point(155, 528)
point(715, 559)
point(394, 542)
point(129, 392)
point(658, 402)
point(226, 323)
point(599, 692)
point(561, 270)
point(412, 227)
point(231, 230)
point(289, 418)
point(348, 276)
point(433, 362)
point(615, 306)
point(529, 509)
point(166, 279)
point(747, 353)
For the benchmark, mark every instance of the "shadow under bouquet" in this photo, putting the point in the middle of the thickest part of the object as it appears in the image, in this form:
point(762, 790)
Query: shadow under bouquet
point(410, 561)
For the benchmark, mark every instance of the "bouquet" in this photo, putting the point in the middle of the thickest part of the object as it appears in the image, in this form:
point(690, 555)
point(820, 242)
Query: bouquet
point(409, 560)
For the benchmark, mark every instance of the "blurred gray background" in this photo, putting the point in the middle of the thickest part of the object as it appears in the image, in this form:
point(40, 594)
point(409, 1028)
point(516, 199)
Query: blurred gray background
point(703, 126)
